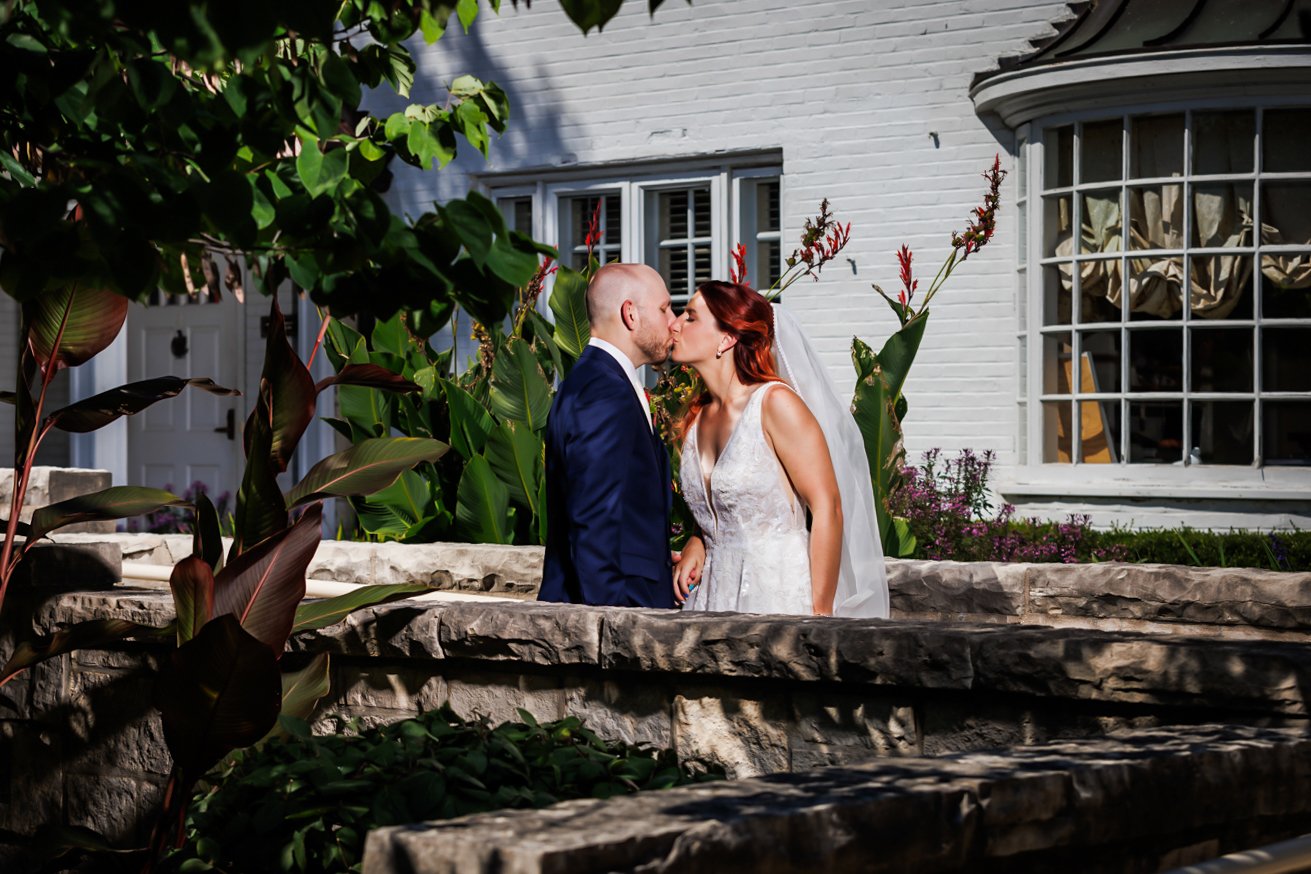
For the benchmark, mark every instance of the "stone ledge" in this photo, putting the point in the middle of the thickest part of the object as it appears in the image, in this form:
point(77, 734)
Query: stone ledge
point(1250, 677)
point(49, 485)
point(1222, 602)
point(1139, 800)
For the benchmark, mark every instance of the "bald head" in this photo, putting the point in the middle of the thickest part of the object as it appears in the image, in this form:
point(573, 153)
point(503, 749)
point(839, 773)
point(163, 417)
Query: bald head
point(628, 306)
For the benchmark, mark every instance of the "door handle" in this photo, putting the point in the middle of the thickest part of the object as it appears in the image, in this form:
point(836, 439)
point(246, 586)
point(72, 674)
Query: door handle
point(231, 427)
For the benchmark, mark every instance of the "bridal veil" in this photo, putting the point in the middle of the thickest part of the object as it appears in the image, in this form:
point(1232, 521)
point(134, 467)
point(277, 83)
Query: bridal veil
point(863, 579)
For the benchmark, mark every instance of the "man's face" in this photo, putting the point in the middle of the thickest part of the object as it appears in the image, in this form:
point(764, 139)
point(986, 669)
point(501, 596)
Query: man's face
point(655, 318)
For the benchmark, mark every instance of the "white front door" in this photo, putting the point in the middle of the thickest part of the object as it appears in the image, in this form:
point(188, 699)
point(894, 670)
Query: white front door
point(196, 436)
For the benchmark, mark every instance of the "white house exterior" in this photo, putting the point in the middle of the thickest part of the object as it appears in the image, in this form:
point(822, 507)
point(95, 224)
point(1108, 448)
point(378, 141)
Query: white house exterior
point(729, 120)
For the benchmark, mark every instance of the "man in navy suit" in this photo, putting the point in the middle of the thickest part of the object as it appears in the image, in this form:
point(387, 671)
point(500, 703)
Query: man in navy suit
point(608, 488)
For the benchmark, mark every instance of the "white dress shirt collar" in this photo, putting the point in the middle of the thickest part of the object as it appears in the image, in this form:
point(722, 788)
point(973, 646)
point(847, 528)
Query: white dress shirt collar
point(627, 364)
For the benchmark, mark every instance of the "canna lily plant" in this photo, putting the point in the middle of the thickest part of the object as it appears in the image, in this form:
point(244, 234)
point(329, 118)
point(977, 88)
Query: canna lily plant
point(879, 404)
point(221, 687)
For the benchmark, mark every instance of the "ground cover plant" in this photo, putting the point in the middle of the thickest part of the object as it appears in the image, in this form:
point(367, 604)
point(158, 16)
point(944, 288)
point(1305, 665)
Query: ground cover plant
point(950, 514)
point(304, 803)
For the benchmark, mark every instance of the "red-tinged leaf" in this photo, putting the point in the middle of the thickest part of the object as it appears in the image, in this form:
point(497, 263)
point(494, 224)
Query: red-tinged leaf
point(21, 528)
point(84, 320)
point(364, 468)
point(369, 376)
point(207, 537)
point(261, 509)
point(321, 613)
point(126, 400)
point(116, 502)
point(287, 394)
point(221, 690)
point(85, 635)
point(192, 582)
point(263, 586)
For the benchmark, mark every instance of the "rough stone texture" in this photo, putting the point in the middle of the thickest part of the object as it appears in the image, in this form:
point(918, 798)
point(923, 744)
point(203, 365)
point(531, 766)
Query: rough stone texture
point(67, 567)
point(49, 485)
point(1135, 802)
point(509, 570)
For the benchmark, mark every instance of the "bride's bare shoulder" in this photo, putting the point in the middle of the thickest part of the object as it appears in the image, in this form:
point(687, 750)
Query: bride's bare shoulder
point(782, 408)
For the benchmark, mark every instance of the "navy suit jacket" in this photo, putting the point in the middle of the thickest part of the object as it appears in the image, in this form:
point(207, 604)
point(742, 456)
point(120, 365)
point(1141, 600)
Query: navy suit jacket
point(608, 493)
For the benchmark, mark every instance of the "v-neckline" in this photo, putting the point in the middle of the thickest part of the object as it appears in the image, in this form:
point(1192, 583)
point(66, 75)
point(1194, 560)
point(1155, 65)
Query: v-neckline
point(707, 477)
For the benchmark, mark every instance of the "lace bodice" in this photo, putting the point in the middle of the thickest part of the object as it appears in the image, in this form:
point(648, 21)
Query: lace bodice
point(752, 521)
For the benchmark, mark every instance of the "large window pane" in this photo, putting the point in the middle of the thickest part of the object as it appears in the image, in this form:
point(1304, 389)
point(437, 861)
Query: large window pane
point(1286, 213)
point(1223, 142)
point(1058, 147)
point(1221, 287)
point(1056, 283)
point(1155, 288)
point(1222, 432)
point(1156, 432)
point(682, 219)
point(1102, 231)
point(1156, 360)
point(1285, 135)
point(1100, 372)
point(1156, 217)
point(1286, 432)
point(1286, 359)
point(579, 212)
point(1056, 352)
point(1101, 158)
point(1156, 146)
point(1286, 286)
point(1099, 432)
point(1058, 225)
point(1221, 360)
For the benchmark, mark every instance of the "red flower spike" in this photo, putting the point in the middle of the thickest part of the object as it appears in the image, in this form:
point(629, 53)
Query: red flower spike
point(594, 229)
point(737, 268)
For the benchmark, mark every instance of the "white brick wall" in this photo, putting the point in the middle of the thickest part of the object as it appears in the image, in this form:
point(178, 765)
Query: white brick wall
point(850, 91)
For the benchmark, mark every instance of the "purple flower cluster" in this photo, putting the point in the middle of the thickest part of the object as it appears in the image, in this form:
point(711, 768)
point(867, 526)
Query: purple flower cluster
point(177, 520)
point(950, 512)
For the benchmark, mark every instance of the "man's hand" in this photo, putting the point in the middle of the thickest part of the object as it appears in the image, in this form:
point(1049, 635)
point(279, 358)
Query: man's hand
point(687, 568)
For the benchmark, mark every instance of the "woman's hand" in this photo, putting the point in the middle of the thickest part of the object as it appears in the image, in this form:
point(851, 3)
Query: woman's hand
point(688, 565)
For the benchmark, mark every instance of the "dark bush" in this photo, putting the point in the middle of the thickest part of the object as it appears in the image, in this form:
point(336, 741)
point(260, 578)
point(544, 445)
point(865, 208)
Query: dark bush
point(305, 803)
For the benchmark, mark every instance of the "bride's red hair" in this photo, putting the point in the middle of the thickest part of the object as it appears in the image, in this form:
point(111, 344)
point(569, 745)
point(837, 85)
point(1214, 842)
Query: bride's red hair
point(744, 314)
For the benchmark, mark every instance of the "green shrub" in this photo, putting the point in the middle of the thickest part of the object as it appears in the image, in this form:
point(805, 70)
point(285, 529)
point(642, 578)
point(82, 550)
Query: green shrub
point(1272, 550)
point(306, 803)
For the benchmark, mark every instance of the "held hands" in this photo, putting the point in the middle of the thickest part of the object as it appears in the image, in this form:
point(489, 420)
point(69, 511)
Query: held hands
point(688, 565)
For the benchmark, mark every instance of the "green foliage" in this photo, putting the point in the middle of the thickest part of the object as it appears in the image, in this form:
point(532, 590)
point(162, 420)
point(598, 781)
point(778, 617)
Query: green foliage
point(489, 490)
point(306, 803)
point(1270, 550)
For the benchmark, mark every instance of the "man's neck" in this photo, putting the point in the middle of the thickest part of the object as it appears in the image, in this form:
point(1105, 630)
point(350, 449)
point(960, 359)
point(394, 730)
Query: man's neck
point(623, 349)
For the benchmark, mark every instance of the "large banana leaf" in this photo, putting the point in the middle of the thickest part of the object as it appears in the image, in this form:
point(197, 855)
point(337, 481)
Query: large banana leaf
point(263, 586)
point(261, 509)
point(321, 613)
point(192, 582)
point(368, 376)
point(116, 502)
point(471, 424)
point(207, 536)
point(126, 400)
point(221, 690)
point(482, 504)
point(287, 394)
point(301, 691)
point(366, 467)
point(520, 391)
point(84, 320)
point(569, 306)
point(516, 456)
point(398, 509)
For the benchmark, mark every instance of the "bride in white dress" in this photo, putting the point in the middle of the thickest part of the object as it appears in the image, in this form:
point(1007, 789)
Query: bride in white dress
point(767, 441)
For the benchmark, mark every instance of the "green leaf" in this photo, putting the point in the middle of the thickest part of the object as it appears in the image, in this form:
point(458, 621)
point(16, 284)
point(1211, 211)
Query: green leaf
point(99, 410)
point(432, 28)
point(192, 583)
point(569, 305)
point(482, 504)
point(262, 586)
point(321, 613)
point(207, 538)
point(471, 424)
point(116, 502)
point(587, 14)
point(301, 690)
point(467, 10)
point(90, 320)
point(874, 408)
point(519, 389)
point(368, 376)
point(366, 467)
point(93, 634)
point(515, 454)
point(16, 171)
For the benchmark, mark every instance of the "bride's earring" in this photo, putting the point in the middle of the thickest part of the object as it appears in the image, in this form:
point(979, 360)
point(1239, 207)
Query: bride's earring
point(719, 354)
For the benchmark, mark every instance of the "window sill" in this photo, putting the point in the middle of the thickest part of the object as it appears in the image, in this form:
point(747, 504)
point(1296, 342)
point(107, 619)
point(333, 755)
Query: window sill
point(1189, 483)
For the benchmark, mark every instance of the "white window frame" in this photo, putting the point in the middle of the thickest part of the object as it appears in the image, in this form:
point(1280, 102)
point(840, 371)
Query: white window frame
point(635, 183)
point(1121, 480)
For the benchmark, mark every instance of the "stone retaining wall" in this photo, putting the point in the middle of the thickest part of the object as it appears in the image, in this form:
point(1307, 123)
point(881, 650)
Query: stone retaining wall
point(1140, 801)
point(48, 485)
point(755, 694)
point(1229, 602)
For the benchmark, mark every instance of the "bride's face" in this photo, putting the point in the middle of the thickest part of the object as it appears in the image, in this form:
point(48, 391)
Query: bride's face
point(697, 335)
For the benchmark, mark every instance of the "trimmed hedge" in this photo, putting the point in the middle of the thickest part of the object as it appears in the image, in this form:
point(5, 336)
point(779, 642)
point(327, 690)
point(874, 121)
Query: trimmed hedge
point(1273, 550)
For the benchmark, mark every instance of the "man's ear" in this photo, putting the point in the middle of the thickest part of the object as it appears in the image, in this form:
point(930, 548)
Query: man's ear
point(628, 314)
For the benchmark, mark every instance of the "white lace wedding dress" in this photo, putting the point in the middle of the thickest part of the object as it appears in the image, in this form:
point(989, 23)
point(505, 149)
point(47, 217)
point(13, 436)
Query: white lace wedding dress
point(752, 522)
